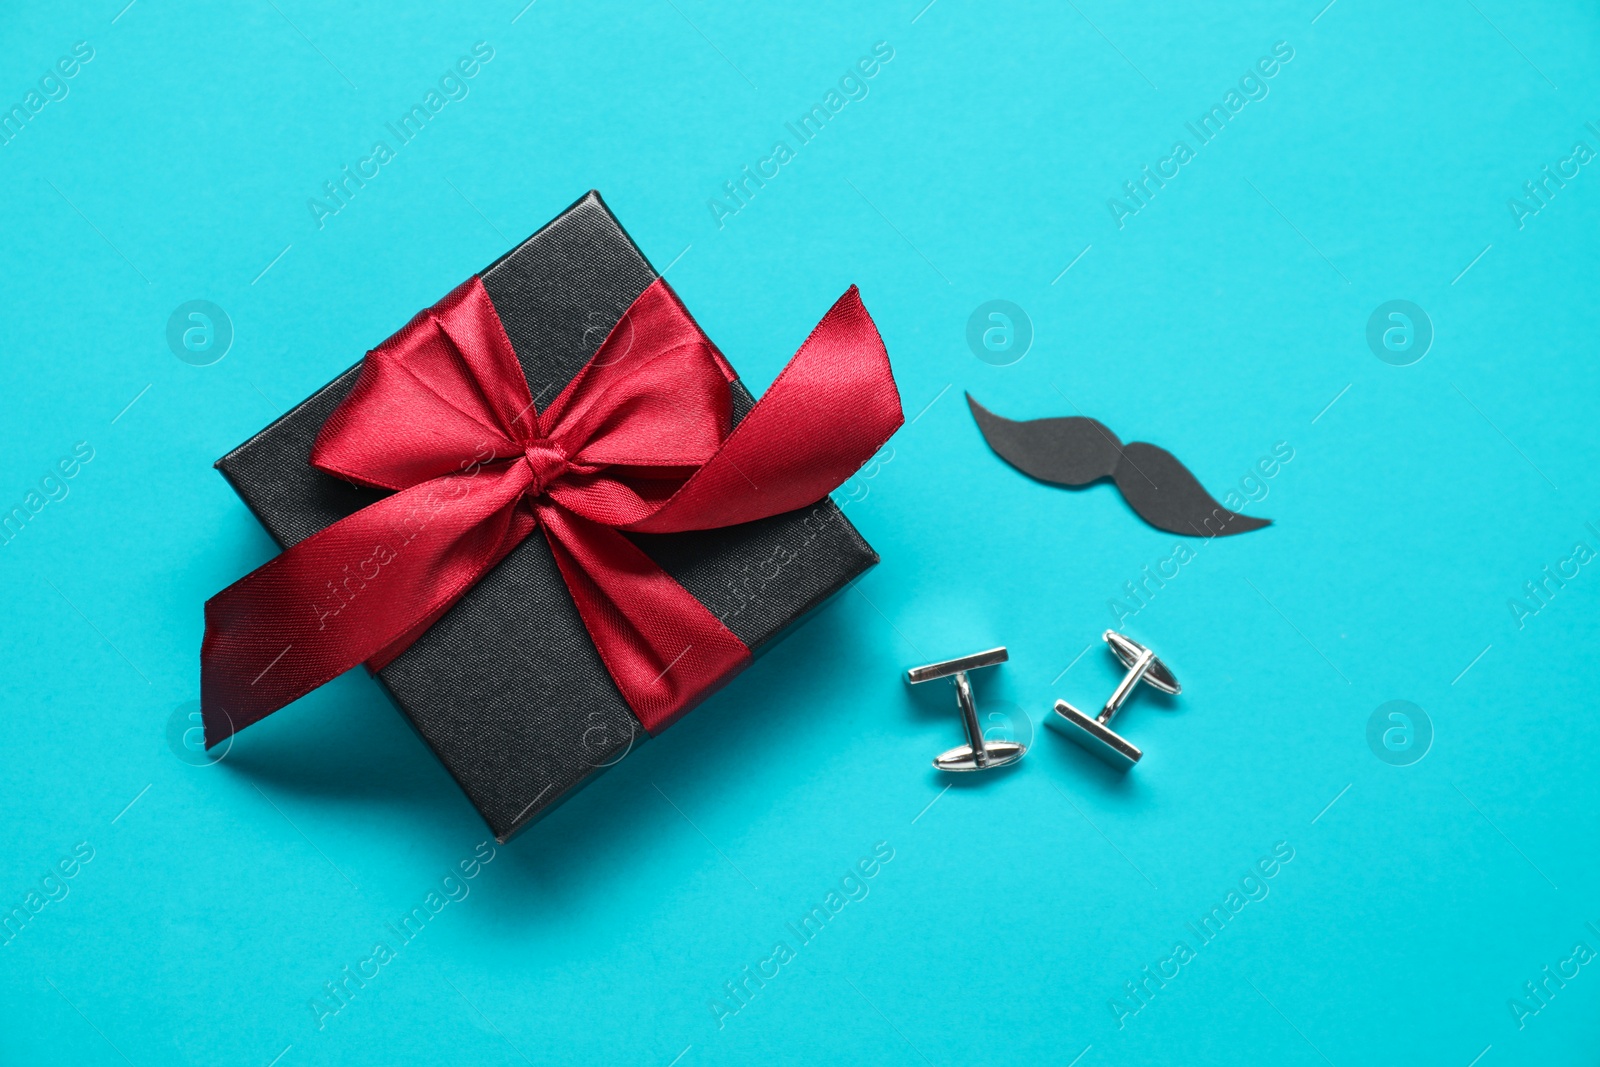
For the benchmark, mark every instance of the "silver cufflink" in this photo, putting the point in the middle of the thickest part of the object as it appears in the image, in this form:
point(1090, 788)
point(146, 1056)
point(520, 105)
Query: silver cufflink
point(1095, 734)
point(977, 754)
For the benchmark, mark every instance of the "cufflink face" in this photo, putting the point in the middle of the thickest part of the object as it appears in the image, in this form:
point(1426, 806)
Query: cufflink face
point(960, 665)
point(1094, 733)
point(977, 754)
point(1099, 739)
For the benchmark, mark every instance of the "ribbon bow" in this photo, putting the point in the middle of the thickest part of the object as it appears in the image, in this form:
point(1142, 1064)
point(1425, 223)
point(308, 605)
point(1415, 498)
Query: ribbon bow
point(639, 441)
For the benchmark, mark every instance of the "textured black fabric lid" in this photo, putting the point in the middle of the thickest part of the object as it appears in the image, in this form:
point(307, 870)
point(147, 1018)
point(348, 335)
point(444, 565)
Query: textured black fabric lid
point(507, 687)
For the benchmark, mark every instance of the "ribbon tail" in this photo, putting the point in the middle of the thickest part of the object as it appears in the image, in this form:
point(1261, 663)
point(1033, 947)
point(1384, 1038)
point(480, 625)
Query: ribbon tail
point(663, 648)
point(828, 412)
point(351, 591)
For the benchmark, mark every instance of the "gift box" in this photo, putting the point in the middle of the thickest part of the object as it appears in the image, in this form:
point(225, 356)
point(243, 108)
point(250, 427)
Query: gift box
point(507, 686)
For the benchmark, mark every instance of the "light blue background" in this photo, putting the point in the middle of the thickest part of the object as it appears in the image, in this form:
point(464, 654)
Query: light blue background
point(1223, 318)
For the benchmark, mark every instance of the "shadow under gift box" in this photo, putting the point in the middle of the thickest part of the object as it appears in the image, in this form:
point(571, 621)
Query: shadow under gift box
point(507, 687)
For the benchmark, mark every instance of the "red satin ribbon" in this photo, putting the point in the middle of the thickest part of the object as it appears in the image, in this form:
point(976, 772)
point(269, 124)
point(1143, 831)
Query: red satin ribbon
point(639, 441)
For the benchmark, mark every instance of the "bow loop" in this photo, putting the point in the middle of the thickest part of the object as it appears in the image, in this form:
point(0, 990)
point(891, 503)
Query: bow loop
point(442, 394)
point(655, 394)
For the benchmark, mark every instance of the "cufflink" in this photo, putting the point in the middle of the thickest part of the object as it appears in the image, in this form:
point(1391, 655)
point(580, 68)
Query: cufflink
point(977, 754)
point(1095, 734)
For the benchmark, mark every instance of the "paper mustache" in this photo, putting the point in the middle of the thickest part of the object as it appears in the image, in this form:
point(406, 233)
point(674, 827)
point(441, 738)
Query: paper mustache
point(1078, 450)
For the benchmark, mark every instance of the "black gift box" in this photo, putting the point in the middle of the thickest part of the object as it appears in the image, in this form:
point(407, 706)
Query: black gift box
point(507, 687)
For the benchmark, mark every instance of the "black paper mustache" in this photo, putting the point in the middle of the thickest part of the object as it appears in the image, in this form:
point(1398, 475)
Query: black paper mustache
point(1077, 450)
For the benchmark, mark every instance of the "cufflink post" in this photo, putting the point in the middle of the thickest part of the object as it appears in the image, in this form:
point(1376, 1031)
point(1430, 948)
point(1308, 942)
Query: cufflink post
point(978, 754)
point(1095, 734)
